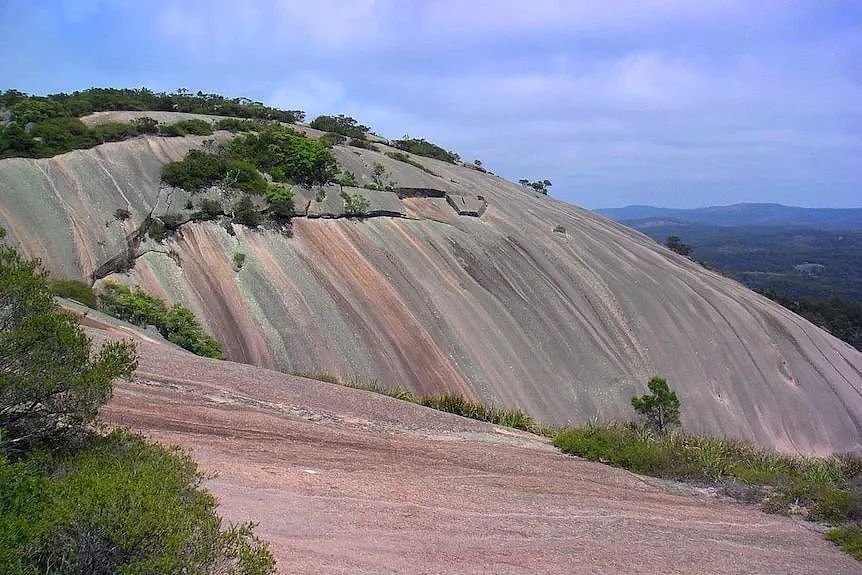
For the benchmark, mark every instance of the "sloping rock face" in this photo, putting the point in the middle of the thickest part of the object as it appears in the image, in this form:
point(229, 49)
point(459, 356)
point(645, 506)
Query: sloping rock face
point(498, 307)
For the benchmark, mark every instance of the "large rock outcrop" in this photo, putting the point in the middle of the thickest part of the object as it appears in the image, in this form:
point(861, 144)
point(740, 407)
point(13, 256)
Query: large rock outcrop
point(498, 307)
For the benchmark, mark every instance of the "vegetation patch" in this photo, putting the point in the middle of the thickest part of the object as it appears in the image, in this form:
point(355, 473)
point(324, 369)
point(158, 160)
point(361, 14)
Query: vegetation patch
point(402, 157)
point(422, 147)
point(450, 403)
point(560, 229)
point(342, 125)
point(540, 186)
point(820, 489)
point(177, 323)
point(44, 126)
point(77, 290)
point(74, 502)
point(355, 204)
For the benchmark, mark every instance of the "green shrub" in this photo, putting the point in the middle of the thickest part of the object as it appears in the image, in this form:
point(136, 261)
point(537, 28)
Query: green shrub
point(50, 385)
point(242, 175)
point(120, 505)
point(176, 324)
point(146, 125)
point(848, 538)
point(355, 204)
point(560, 229)
point(122, 214)
point(422, 147)
point(362, 143)
point(280, 201)
point(348, 179)
point(659, 409)
point(77, 290)
point(194, 126)
point(402, 157)
point(332, 138)
point(238, 260)
point(341, 124)
point(157, 230)
point(245, 212)
point(240, 125)
point(209, 209)
point(194, 172)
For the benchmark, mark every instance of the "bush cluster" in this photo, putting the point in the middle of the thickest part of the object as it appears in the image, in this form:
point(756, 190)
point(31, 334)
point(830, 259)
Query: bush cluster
point(450, 403)
point(340, 124)
point(402, 157)
point(46, 126)
point(422, 147)
point(77, 290)
point(177, 323)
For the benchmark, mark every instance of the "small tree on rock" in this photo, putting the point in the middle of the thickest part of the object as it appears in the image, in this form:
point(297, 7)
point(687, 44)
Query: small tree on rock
point(660, 408)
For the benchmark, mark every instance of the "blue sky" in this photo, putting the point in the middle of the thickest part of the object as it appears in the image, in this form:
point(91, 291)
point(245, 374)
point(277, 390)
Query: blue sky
point(676, 103)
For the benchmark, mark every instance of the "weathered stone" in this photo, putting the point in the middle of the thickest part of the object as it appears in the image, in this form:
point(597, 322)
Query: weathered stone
point(467, 205)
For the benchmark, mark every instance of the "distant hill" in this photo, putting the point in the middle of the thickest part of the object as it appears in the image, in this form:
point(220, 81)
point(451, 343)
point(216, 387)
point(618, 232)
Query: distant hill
point(744, 215)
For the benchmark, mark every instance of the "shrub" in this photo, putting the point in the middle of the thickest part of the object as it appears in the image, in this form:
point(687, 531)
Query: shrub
point(50, 386)
point(422, 147)
point(659, 409)
point(194, 126)
point(209, 209)
point(122, 214)
point(402, 157)
point(238, 260)
point(240, 125)
point(120, 505)
point(341, 124)
point(245, 212)
point(332, 138)
point(848, 538)
point(242, 175)
point(362, 143)
point(194, 172)
point(75, 289)
point(176, 324)
point(157, 230)
point(675, 244)
point(286, 154)
point(280, 201)
point(560, 229)
point(146, 125)
point(355, 204)
point(348, 179)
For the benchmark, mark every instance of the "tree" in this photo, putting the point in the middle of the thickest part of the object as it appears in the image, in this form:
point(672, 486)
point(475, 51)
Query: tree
point(660, 408)
point(524, 182)
point(51, 387)
point(675, 244)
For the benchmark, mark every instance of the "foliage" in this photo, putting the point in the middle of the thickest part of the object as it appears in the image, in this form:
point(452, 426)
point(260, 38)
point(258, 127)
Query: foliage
point(361, 143)
point(560, 229)
point(194, 127)
point(238, 260)
point(242, 175)
point(245, 212)
point(402, 157)
point(280, 201)
point(355, 204)
point(75, 289)
point(120, 505)
point(209, 209)
point(341, 124)
point(122, 214)
point(839, 316)
point(177, 324)
point(47, 126)
point(194, 172)
point(674, 243)
point(348, 179)
point(286, 154)
point(827, 487)
point(540, 186)
point(848, 538)
point(660, 408)
point(332, 139)
point(50, 385)
point(450, 403)
point(422, 147)
point(240, 125)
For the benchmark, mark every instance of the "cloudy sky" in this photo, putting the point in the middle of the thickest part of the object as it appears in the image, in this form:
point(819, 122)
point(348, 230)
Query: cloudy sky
point(676, 103)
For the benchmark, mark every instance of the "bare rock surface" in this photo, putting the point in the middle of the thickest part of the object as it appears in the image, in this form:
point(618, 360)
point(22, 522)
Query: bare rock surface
point(347, 481)
point(499, 308)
